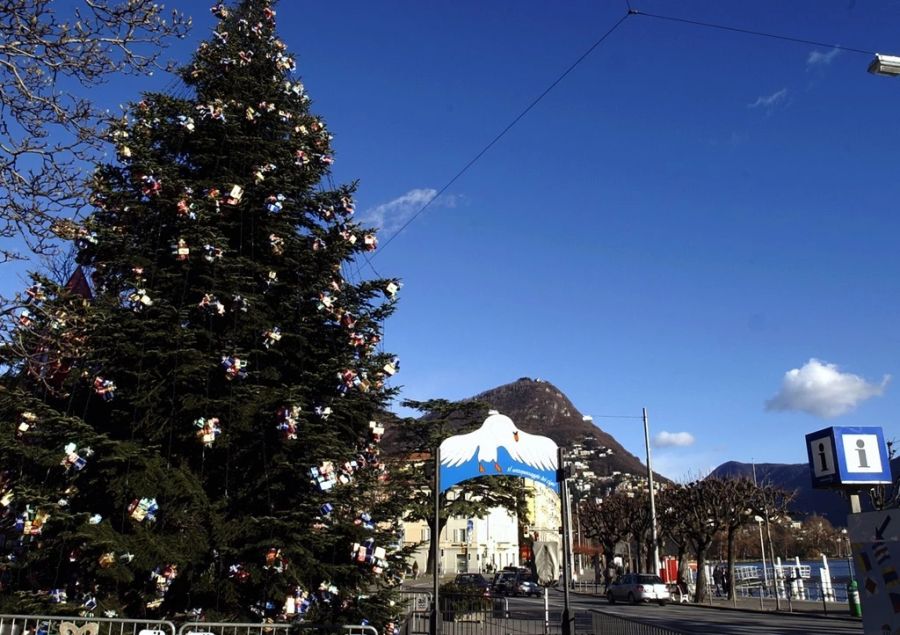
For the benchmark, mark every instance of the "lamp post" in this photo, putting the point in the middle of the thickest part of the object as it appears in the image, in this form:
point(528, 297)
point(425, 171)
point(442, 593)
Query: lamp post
point(652, 495)
point(762, 551)
point(849, 555)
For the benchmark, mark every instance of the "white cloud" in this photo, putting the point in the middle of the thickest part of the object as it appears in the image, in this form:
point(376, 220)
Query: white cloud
point(820, 389)
point(770, 102)
point(818, 58)
point(392, 215)
point(673, 439)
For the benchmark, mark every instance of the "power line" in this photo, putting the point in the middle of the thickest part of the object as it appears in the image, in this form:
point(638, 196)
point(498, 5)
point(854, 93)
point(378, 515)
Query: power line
point(630, 11)
point(734, 29)
point(503, 132)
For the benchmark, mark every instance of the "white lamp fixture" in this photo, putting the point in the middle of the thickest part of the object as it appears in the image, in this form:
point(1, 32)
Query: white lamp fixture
point(886, 65)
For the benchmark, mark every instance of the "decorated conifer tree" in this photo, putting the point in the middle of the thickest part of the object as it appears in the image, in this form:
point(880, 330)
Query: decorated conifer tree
point(201, 435)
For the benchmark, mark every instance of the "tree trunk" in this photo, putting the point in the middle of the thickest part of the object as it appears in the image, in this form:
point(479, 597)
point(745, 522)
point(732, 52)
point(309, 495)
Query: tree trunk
point(682, 577)
point(732, 534)
point(429, 568)
point(638, 556)
point(700, 589)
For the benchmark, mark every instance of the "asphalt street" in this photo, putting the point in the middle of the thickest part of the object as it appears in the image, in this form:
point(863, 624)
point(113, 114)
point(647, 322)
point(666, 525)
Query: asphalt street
point(694, 619)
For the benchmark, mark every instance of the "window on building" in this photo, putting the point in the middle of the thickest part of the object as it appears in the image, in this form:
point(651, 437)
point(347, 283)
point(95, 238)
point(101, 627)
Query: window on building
point(459, 535)
point(426, 534)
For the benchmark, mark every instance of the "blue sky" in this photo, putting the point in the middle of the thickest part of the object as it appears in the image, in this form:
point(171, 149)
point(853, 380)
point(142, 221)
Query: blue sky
point(685, 218)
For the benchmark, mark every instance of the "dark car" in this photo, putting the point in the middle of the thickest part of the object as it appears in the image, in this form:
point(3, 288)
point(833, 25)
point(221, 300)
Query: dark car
point(473, 581)
point(515, 582)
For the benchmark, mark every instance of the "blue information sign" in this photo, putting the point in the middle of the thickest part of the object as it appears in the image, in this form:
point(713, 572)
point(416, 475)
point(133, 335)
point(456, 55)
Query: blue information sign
point(848, 456)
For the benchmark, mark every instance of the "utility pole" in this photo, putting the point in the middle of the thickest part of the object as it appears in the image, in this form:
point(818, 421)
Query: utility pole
point(436, 617)
point(568, 620)
point(652, 495)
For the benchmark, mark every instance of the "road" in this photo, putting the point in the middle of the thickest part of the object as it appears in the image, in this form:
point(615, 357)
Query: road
point(693, 619)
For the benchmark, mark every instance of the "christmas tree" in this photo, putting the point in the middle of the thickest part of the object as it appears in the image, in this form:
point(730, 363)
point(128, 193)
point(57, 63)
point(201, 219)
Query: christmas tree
point(201, 435)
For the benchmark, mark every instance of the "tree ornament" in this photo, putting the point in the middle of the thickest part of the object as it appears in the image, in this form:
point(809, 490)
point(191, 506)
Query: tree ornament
point(36, 293)
point(274, 560)
point(186, 209)
point(392, 367)
point(235, 194)
point(186, 122)
point(235, 367)
point(105, 388)
point(72, 460)
point(139, 299)
point(287, 422)
point(370, 242)
point(27, 420)
point(275, 203)
point(237, 573)
point(180, 250)
point(271, 336)
point(150, 186)
point(323, 476)
point(144, 509)
point(276, 242)
point(211, 253)
point(208, 430)
point(211, 304)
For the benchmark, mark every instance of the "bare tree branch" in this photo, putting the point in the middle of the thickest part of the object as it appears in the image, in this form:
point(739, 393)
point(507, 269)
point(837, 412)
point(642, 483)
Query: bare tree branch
point(47, 130)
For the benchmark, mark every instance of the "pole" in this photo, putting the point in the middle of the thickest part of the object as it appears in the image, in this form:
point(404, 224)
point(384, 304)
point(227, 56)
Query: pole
point(762, 550)
point(772, 560)
point(652, 496)
point(436, 618)
point(568, 621)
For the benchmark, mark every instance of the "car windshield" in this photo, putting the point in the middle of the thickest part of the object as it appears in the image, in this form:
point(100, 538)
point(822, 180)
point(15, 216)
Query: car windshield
point(649, 579)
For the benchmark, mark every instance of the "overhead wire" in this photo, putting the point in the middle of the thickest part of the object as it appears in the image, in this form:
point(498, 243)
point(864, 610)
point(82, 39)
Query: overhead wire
point(630, 12)
point(503, 132)
point(734, 29)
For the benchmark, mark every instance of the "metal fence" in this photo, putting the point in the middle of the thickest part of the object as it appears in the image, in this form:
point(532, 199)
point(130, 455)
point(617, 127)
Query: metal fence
point(59, 625)
point(610, 624)
point(475, 615)
point(232, 628)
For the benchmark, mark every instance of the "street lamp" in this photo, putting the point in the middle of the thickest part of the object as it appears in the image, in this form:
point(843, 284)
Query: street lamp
point(885, 65)
point(652, 495)
point(849, 555)
point(762, 551)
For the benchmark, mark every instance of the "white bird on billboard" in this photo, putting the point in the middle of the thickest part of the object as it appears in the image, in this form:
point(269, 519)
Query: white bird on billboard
point(499, 431)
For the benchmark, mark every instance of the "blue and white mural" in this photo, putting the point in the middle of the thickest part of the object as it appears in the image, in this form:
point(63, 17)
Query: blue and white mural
point(498, 448)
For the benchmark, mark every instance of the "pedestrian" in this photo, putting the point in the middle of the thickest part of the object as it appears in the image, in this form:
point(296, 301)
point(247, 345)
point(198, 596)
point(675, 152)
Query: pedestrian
point(415, 570)
point(719, 579)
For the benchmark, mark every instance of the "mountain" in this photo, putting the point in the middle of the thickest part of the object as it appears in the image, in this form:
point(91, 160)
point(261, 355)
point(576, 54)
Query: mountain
point(539, 407)
point(795, 477)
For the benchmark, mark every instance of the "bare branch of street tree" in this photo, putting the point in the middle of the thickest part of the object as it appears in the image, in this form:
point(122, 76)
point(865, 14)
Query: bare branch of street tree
point(49, 127)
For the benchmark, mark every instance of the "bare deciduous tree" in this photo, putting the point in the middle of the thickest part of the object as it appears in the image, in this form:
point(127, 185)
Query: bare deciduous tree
point(607, 522)
point(49, 127)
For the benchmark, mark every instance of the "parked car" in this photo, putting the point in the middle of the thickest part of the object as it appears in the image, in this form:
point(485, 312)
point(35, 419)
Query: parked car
point(473, 581)
point(638, 587)
point(527, 585)
point(515, 581)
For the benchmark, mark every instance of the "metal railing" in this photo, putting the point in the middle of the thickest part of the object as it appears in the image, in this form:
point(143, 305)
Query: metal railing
point(281, 628)
point(611, 624)
point(475, 615)
point(61, 625)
